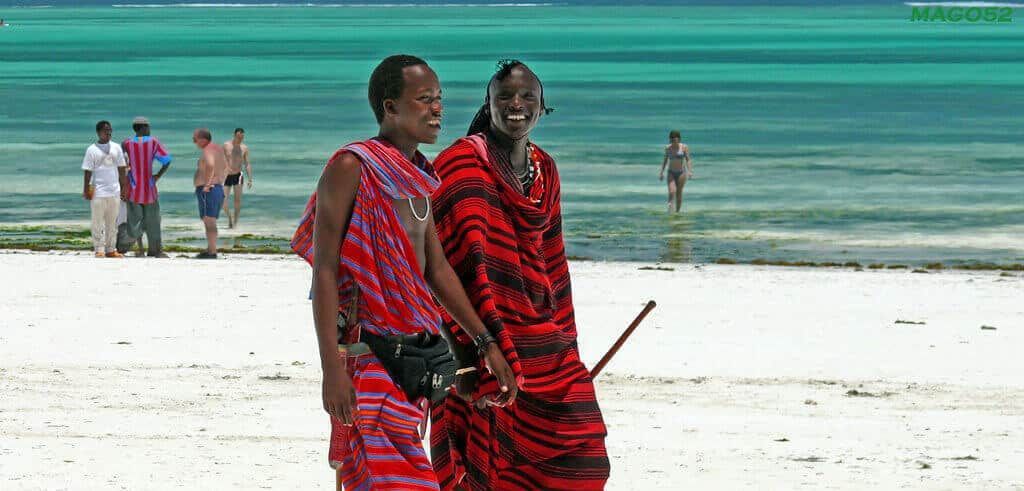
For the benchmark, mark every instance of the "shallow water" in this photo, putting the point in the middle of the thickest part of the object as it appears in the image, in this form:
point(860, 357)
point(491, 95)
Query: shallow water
point(827, 134)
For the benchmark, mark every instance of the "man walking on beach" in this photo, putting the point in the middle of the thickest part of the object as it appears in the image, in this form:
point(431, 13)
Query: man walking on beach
point(209, 183)
point(238, 161)
point(143, 201)
point(499, 219)
point(104, 186)
point(369, 234)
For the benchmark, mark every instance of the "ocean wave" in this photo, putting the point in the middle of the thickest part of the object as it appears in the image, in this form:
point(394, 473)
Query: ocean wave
point(996, 238)
point(325, 5)
point(964, 4)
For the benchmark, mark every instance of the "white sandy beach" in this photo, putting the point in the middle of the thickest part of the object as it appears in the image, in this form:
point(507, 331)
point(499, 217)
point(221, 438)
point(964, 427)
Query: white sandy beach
point(183, 374)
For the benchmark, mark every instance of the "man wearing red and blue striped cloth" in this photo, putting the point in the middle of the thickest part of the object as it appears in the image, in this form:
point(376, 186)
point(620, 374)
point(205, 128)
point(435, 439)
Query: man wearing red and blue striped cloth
point(143, 202)
point(369, 234)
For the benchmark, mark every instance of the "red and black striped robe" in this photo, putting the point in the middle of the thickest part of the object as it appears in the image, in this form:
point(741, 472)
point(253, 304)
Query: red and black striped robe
point(507, 249)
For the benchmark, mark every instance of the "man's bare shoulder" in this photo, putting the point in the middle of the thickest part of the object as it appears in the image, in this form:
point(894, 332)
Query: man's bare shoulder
point(345, 165)
point(340, 179)
point(213, 150)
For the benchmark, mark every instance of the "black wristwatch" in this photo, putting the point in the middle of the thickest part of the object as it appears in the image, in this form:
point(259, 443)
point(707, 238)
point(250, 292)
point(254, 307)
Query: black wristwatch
point(481, 341)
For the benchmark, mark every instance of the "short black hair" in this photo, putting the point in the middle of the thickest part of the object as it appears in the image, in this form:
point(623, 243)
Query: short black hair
point(674, 134)
point(101, 123)
point(204, 134)
point(387, 81)
point(239, 130)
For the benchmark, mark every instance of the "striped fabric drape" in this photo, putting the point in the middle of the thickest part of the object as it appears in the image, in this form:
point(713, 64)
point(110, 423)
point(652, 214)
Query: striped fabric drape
point(509, 252)
point(382, 450)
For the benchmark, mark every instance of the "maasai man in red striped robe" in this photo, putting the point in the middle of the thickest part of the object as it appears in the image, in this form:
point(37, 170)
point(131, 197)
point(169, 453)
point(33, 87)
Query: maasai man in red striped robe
point(499, 218)
point(368, 233)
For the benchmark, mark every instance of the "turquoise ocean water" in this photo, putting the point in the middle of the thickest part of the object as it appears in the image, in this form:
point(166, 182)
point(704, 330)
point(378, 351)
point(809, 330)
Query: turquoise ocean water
point(818, 133)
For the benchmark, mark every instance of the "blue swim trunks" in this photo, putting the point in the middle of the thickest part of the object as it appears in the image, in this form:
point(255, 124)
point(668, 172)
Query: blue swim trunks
point(210, 201)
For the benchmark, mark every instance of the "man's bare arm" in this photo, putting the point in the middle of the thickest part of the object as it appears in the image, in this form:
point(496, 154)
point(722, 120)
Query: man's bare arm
point(209, 164)
point(226, 150)
point(449, 292)
point(127, 159)
point(248, 166)
point(85, 185)
point(335, 197)
point(122, 178)
point(160, 173)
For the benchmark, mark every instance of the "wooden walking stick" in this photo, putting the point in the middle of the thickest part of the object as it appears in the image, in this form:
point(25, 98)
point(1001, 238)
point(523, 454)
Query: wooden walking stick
point(622, 339)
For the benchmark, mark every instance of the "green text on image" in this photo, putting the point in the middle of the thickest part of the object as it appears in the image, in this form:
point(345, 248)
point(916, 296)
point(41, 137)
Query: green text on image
point(961, 14)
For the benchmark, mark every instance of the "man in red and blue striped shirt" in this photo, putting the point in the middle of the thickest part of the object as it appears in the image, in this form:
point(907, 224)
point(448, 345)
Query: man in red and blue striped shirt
point(143, 201)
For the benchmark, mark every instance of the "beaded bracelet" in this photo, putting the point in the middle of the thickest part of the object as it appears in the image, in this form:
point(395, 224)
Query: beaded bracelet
point(481, 341)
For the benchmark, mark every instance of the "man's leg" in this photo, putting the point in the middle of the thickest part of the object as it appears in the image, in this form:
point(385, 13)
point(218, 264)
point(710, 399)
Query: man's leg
point(238, 200)
point(110, 206)
point(152, 224)
point(210, 223)
point(568, 406)
point(210, 203)
point(132, 227)
point(227, 192)
point(123, 241)
point(141, 250)
point(387, 423)
point(96, 208)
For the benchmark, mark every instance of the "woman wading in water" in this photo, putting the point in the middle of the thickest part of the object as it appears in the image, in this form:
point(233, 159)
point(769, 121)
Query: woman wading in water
point(680, 168)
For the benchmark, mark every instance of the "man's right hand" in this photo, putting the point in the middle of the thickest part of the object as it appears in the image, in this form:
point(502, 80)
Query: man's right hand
point(86, 196)
point(338, 393)
point(498, 366)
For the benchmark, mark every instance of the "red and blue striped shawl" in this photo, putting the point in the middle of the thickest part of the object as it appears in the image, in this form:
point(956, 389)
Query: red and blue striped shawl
point(376, 253)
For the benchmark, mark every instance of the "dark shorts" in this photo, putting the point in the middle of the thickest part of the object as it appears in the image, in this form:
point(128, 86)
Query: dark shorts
point(210, 201)
point(233, 180)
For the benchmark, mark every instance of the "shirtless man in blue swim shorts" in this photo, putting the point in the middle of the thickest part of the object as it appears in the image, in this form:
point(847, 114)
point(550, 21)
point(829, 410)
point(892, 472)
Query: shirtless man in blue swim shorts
point(211, 170)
